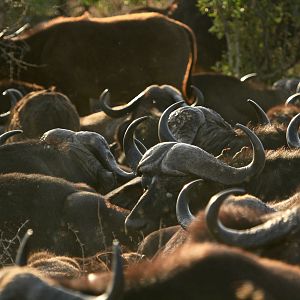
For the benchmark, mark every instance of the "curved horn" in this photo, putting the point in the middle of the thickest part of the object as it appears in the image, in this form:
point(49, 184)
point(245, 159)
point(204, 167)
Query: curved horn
point(164, 132)
point(14, 95)
point(198, 95)
point(182, 158)
point(257, 236)
point(95, 143)
point(292, 136)
point(116, 287)
point(293, 99)
point(42, 290)
point(183, 213)
point(258, 161)
point(110, 162)
point(262, 117)
point(114, 291)
point(132, 152)
point(21, 257)
point(117, 113)
point(140, 146)
point(248, 76)
point(6, 135)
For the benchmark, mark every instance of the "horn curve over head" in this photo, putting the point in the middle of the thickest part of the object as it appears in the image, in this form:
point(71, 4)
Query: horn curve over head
point(183, 213)
point(180, 159)
point(120, 112)
point(164, 132)
point(260, 235)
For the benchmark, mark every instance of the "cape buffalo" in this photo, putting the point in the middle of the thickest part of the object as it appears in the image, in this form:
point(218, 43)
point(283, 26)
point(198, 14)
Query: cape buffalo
point(76, 156)
point(82, 56)
point(38, 112)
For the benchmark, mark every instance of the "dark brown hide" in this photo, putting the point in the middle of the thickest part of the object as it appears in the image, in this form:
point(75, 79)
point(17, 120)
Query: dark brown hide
point(210, 48)
point(206, 271)
point(101, 123)
point(228, 96)
point(83, 56)
point(75, 156)
point(282, 114)
point(66, 220)
point(41, 111)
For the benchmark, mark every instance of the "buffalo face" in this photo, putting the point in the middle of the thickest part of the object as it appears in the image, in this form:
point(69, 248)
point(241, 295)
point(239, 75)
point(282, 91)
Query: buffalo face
point(166, 167)
point(156, 207)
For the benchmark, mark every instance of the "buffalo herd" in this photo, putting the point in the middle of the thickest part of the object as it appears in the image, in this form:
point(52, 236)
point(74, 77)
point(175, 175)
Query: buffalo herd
point(128, 174)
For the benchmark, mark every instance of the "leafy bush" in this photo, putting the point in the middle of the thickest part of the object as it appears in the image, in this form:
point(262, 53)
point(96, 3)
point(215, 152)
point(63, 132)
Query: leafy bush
point(262, 36)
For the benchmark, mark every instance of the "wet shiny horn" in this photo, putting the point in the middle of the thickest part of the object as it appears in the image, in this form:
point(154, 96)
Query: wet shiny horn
point(120, 112)
point(292, 135)
point(262, 117)
point(164, 132)
point(6, 135)
point(183, 213)
point(272, 230)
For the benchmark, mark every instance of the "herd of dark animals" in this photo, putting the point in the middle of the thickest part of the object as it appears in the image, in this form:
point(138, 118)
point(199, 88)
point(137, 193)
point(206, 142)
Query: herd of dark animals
point(197, 177)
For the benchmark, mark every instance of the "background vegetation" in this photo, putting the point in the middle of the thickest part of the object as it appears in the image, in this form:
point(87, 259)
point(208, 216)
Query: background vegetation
point(262, 36)
point(15, 12)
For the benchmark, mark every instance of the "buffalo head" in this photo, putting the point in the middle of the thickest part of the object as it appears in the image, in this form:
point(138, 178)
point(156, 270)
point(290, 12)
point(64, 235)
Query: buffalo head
point(167, 166)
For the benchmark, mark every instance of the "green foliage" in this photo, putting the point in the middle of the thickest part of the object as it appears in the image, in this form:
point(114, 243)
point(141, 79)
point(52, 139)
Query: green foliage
point(15, 13)
point(18, 12)
point(262, 36)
